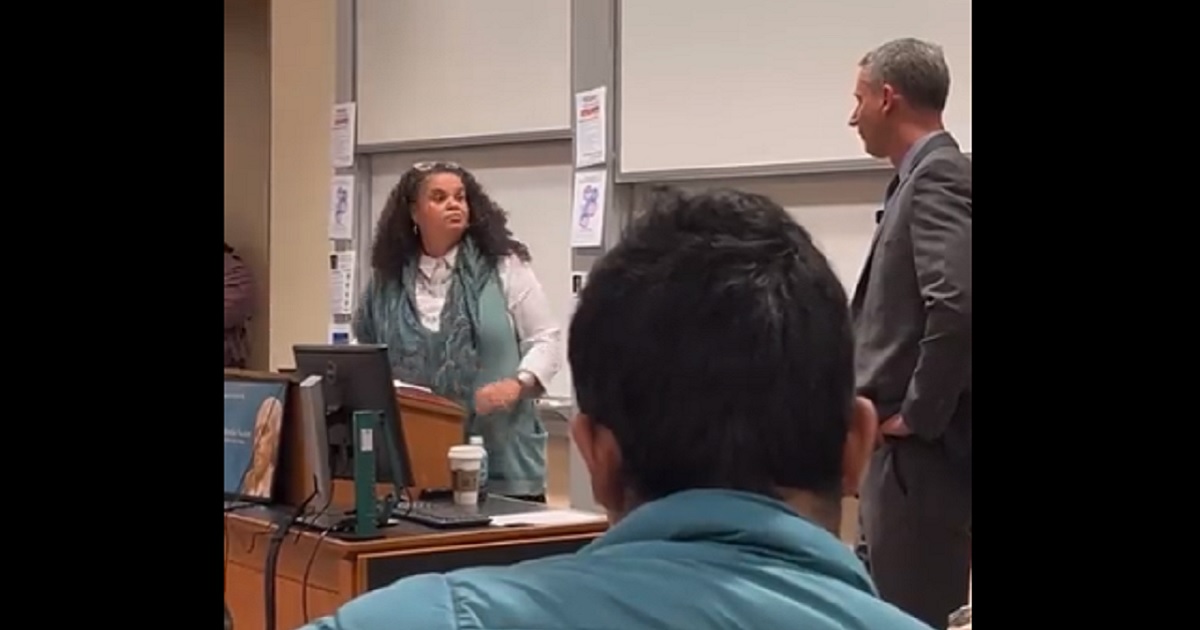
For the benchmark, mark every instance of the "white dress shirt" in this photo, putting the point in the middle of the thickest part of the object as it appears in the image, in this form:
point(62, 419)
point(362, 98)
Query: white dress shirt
point(528, 310)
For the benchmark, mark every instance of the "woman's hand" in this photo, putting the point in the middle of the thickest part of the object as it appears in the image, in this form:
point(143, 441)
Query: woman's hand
point(496, 396)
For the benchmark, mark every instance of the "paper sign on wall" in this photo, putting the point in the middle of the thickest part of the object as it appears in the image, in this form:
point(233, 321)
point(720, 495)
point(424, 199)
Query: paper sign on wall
point(587, 212)
point(339, 334)
point(341, 207)
point(591, 113)
point(344, 115)
point(341, 283)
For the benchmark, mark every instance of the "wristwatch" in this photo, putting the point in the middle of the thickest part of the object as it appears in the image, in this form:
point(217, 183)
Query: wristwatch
point(529, 383)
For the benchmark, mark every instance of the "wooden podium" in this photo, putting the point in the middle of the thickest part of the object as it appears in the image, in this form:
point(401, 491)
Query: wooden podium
point(431, 425)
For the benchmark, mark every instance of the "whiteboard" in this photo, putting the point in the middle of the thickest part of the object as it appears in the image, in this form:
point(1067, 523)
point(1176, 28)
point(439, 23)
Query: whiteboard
point(710, 84)
point(438, 69)
point(532, 182)
point(838, 210)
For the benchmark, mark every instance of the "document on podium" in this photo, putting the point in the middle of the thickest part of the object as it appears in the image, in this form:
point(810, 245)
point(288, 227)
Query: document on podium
point(548, 517)
point(399, 384)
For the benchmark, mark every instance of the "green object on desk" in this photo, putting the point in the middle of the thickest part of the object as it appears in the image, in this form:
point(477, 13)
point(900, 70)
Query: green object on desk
point(366, 423)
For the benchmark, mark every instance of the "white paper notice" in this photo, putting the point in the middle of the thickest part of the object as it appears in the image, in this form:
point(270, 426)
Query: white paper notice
point(548, 517)
point(591, 115)
point(397, 383)
point(587, 212)
point(343, 135)
point(341, 208)
point(341, 282)
point(339, 334)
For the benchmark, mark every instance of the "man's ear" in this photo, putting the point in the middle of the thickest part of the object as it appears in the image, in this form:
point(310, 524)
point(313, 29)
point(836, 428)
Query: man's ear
point(860, 443)
point(583, 436)
point(887, 98)
point(598, 448)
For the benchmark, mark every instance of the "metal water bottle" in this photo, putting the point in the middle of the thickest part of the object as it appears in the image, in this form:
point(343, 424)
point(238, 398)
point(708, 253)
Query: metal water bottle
point(477, 440)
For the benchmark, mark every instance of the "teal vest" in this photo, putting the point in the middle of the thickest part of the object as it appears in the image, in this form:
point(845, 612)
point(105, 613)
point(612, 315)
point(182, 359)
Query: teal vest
point(515, 440)
point(476, 344)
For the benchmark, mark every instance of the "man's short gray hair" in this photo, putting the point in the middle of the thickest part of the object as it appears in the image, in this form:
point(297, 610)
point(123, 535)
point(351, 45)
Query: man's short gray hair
point(914, 68)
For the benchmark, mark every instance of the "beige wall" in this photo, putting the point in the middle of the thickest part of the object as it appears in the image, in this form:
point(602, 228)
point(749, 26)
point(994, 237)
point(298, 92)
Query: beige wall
point(303, 55)
point(247, 151)
point(279, 87)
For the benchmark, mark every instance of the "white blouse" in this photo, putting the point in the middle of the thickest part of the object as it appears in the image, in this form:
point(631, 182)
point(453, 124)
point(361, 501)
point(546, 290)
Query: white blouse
point(528, 310)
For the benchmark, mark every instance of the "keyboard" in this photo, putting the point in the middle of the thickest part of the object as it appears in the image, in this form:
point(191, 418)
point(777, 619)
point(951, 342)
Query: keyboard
point(441, 515)
point(234, 506)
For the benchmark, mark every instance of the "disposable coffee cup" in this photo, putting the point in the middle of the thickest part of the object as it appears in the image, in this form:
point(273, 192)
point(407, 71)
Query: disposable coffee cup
point(466, 461)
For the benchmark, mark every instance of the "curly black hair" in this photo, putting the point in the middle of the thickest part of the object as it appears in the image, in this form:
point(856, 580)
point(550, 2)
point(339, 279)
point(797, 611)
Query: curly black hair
point(396, 242)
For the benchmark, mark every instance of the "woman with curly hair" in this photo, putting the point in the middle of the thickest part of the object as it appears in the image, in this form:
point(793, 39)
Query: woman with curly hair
point(454, 297)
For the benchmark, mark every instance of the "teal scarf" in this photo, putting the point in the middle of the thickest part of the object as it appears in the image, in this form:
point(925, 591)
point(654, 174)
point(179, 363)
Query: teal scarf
point(475, 344)
point(446, 361)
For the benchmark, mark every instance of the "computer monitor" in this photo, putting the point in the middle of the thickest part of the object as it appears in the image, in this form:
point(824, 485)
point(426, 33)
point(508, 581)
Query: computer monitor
point(358, 378)
point(316, 439)
point(255, 405)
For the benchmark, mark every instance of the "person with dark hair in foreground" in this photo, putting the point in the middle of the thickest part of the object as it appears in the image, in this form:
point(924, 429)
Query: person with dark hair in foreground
point(712, 359)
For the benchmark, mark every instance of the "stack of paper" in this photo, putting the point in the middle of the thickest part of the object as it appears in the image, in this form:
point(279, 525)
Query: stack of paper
point(548, 517)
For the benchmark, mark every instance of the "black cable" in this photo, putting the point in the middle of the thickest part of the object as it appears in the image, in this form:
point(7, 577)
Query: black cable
point(408, 498)
point(225, 571)
point(270, 568)
point(307, 568)
point(283, 523)
point(321, 538)
point(315, 521)
point(313, 555)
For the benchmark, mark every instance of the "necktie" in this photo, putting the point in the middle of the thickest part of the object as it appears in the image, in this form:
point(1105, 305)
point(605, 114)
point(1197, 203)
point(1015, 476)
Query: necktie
point(887, 196)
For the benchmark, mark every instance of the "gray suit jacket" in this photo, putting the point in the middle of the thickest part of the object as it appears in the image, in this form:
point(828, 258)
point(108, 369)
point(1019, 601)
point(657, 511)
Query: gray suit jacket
point(912, 305)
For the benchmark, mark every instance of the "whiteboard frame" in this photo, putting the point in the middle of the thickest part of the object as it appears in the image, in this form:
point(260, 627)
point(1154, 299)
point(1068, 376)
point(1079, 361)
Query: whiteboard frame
point(775, 169)
point(448, 142)
point(458, 142)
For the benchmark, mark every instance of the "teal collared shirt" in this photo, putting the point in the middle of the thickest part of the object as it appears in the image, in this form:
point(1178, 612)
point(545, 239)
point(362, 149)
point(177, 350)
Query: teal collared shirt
point(696, 560)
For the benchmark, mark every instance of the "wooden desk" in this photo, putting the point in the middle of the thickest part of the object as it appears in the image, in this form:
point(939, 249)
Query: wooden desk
point(341, 570)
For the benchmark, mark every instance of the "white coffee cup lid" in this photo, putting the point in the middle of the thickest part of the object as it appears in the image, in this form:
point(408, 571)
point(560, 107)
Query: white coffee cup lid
point(466, 451)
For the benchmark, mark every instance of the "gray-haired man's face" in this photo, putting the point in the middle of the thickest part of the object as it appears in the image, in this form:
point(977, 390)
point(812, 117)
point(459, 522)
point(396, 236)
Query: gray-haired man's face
point(869, 118)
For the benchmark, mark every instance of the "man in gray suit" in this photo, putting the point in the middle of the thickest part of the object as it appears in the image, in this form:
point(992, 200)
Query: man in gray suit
point(912, 319)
